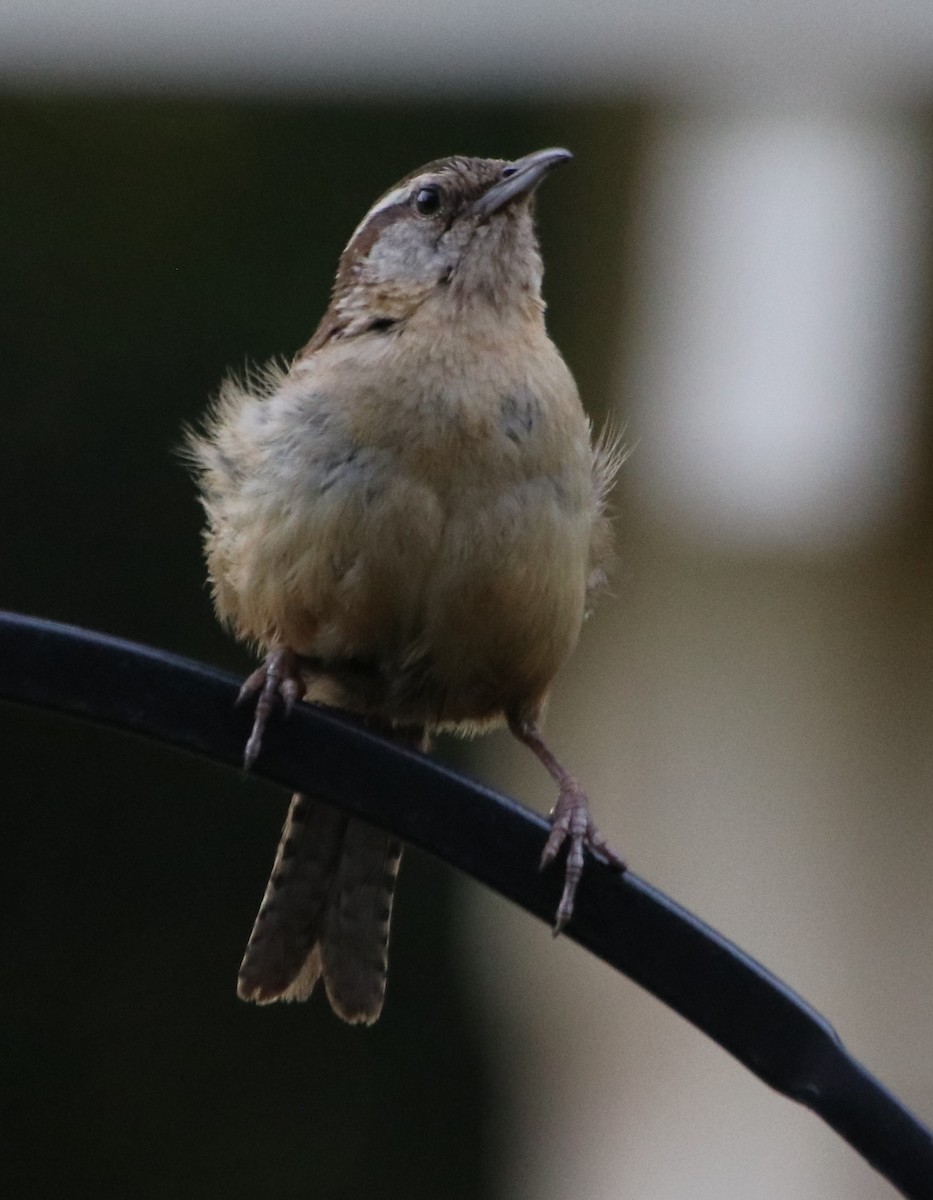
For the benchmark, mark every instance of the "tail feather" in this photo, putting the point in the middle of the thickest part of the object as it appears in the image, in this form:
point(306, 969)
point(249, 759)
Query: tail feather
point(326, 911)
point(282, 960)
point(355, 940)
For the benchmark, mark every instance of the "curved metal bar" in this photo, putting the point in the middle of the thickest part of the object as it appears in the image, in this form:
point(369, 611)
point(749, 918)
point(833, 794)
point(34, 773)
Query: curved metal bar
point(623, 920)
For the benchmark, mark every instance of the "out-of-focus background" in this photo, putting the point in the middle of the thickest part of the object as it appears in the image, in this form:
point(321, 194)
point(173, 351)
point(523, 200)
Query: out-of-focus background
point(739, 271)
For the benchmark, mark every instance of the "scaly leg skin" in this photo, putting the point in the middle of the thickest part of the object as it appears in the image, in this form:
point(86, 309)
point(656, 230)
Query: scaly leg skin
point(570, 822)
point(278, 677)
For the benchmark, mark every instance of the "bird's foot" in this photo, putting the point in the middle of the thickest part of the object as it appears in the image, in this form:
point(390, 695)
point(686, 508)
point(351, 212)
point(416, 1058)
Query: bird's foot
point(278, 677)
point(571, 823)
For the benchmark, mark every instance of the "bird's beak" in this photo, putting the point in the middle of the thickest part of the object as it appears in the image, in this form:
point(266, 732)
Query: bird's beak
point(519, 179)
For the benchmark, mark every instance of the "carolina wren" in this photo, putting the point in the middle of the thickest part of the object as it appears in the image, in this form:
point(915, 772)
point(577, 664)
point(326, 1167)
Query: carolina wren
point(409, 522)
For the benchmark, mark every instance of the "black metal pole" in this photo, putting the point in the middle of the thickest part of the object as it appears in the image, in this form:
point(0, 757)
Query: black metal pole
point(623, 920)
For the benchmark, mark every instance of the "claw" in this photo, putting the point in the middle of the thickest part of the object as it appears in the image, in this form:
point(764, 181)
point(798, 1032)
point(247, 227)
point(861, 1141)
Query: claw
point(279, 676)
point(571, 823)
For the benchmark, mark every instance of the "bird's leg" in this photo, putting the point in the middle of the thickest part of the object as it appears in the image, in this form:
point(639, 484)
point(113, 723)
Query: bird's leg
point(570, 821)
point(279, 676)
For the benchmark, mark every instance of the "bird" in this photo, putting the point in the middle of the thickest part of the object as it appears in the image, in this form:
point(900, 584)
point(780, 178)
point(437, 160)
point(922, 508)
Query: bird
point(408, 521)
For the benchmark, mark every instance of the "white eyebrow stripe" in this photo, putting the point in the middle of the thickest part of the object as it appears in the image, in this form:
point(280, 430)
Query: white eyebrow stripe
point(387, 201)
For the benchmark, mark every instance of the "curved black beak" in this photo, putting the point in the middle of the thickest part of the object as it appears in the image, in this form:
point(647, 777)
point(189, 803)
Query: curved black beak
point(519, 179)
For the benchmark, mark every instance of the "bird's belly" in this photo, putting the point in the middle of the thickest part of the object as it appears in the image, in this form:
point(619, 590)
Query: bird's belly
point(458, 614)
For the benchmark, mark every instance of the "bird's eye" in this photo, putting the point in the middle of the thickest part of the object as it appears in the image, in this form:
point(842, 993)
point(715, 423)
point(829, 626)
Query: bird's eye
point(427, 201)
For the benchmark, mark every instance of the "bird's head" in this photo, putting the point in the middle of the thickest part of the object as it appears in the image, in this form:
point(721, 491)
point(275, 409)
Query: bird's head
point(459, 230)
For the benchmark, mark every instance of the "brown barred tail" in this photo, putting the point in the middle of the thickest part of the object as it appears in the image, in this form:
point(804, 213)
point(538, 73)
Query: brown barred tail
point(326, 911)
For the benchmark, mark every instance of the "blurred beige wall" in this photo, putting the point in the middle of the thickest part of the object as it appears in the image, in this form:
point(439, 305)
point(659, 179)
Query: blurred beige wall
point(751, 711)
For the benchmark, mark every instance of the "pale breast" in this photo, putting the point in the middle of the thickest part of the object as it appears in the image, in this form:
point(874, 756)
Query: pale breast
point(433, 539)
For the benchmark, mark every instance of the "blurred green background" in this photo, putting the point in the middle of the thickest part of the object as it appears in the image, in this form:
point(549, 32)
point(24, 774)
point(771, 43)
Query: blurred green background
point(145, 248)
